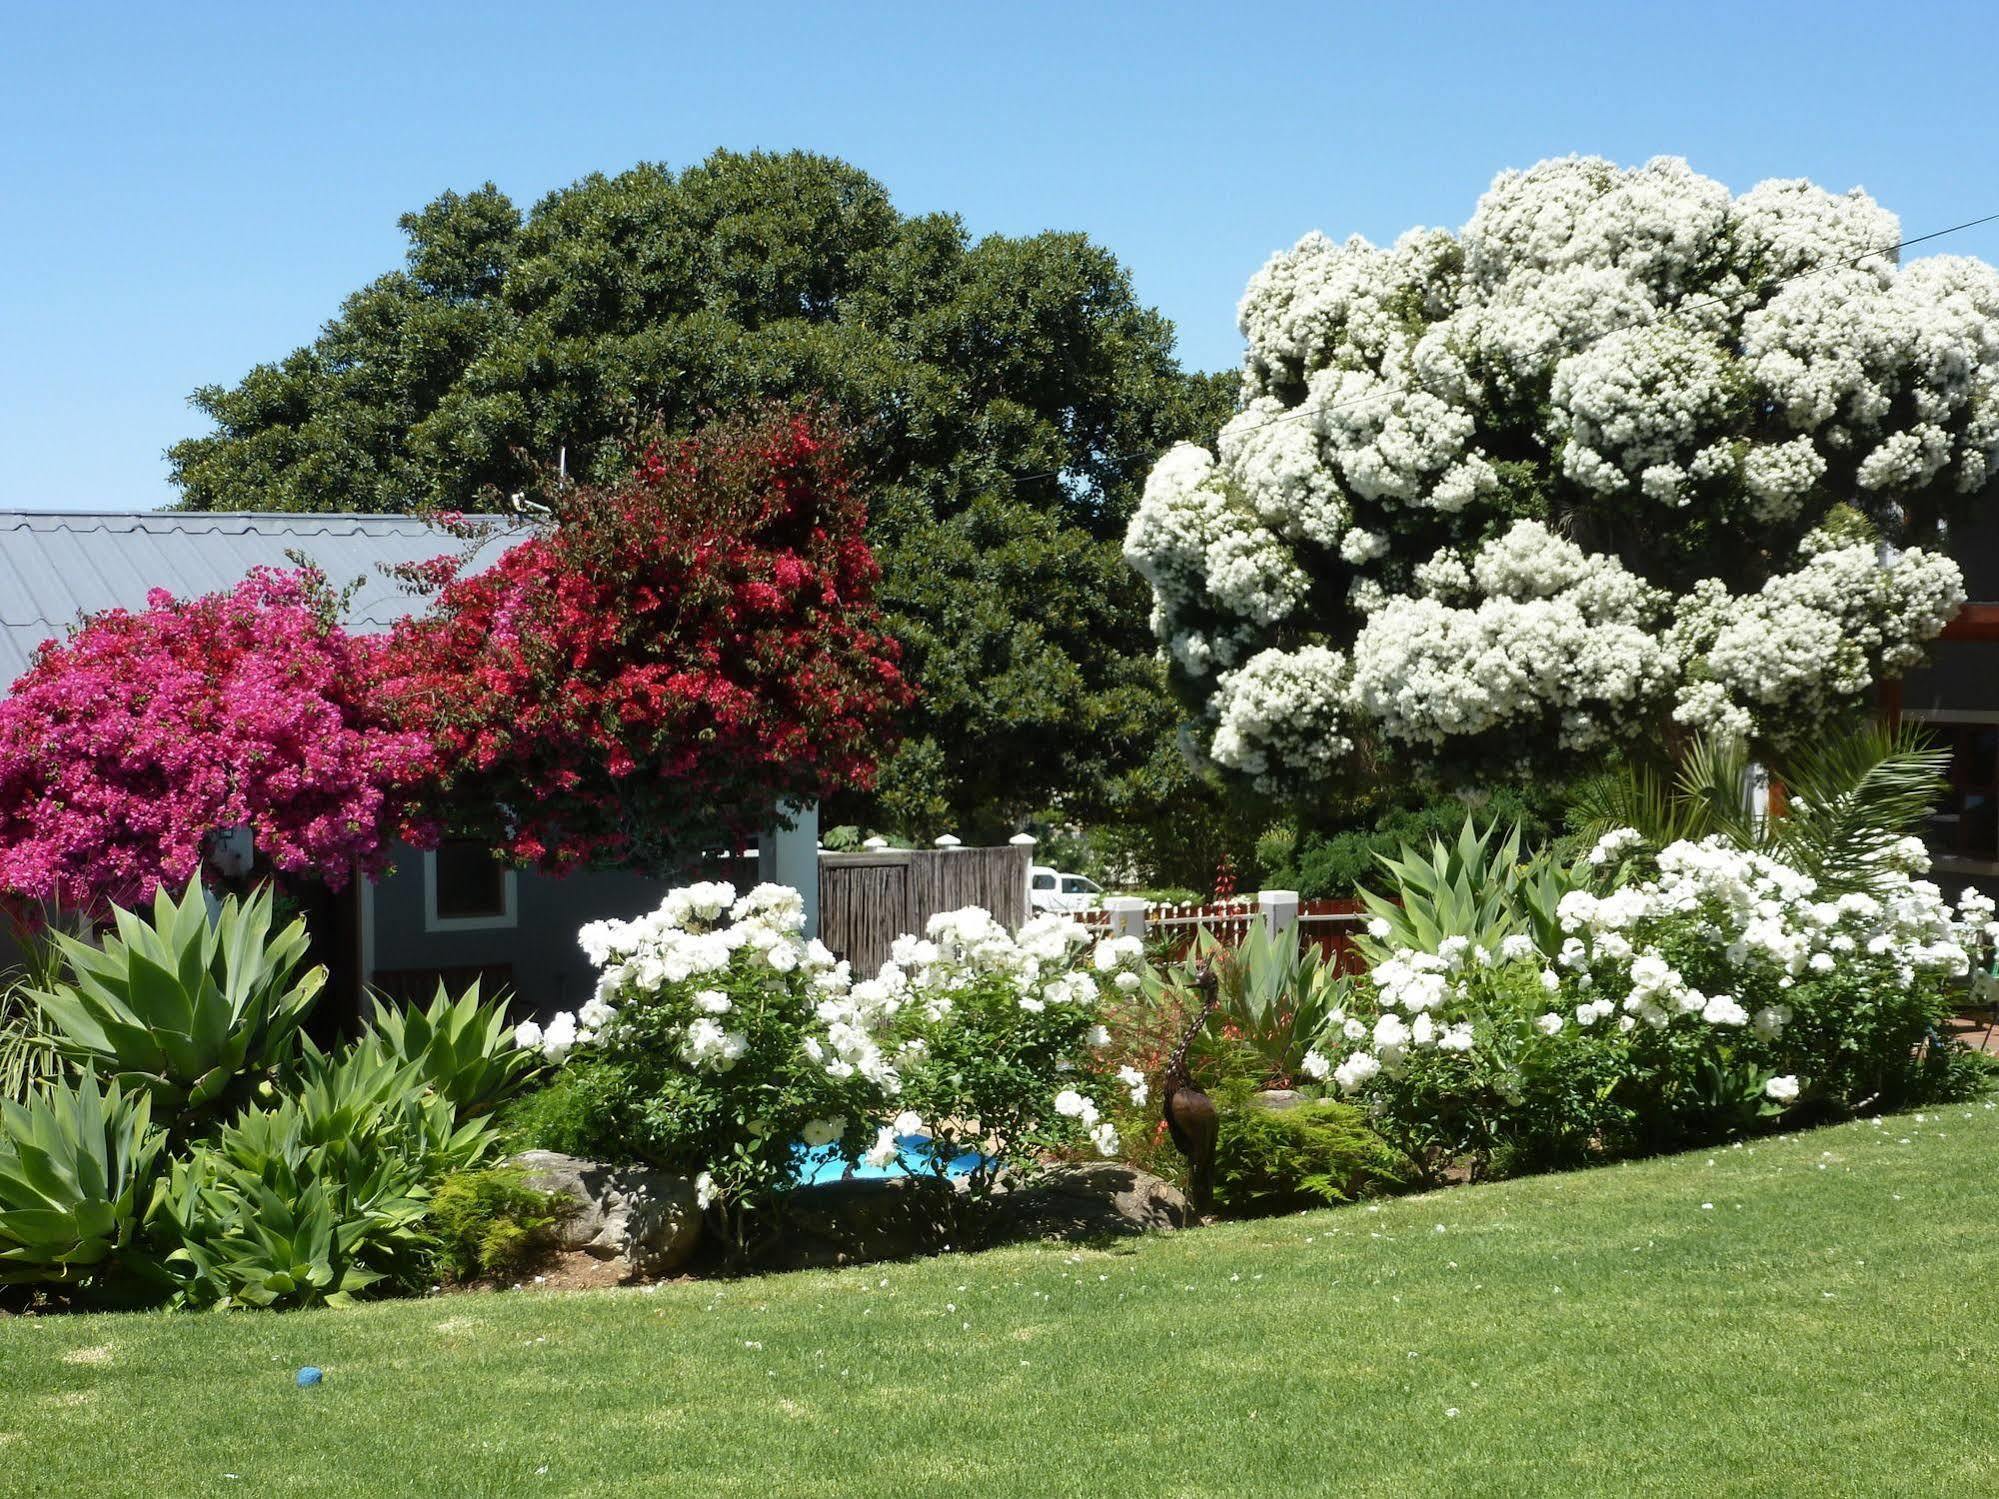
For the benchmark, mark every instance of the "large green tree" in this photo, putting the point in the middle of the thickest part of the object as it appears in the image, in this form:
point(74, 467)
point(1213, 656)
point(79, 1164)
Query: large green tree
point(1008, 396)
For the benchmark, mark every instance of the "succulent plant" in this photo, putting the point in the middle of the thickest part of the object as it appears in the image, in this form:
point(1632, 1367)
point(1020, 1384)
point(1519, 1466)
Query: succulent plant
point(194, 1009)
point(77, 1184)
point(464, 1047)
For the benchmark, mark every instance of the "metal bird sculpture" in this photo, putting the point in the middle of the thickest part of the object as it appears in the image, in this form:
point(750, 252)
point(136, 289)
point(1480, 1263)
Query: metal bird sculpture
point(1190, 1114)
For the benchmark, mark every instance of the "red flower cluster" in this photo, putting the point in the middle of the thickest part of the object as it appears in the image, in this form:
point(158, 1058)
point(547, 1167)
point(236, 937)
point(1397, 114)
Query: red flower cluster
point(643, 677)
point(124, 746)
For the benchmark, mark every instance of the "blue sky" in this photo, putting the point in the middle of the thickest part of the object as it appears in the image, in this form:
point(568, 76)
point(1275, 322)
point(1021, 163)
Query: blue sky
point(186, 190)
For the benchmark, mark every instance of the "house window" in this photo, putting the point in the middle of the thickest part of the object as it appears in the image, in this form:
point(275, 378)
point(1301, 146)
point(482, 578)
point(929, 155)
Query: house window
point(466, 889)
point(1963, 831)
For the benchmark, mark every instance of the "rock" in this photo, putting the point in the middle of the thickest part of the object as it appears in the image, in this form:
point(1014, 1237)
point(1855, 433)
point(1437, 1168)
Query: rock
point(866, 1218)
point(1277, 1099)
point(1103, 1199)
point(644, 1220)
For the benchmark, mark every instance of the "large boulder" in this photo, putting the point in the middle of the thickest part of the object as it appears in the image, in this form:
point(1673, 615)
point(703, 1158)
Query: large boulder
point(865, 1218)
point(645, 1221)
point(1103, 1199)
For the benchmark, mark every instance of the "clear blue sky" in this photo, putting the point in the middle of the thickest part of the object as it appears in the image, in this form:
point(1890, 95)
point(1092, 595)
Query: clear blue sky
point(188, 189)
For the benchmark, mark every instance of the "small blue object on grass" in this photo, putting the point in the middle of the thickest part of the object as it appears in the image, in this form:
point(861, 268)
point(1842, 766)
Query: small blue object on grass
point(309, 1376)
point(913, 1158)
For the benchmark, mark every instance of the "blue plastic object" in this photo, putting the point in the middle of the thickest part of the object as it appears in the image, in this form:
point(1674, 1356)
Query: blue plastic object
point(310, 1376)
point(912, 1159)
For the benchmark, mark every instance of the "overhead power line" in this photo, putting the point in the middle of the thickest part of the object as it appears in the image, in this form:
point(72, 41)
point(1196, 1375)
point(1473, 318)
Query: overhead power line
point(1305, 412)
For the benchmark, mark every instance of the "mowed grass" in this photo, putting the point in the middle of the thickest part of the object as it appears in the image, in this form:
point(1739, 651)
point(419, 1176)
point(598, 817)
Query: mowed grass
point(1807, 1315)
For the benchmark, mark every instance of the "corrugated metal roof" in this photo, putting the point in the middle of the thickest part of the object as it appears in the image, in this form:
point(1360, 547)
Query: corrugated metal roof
point(58, 565)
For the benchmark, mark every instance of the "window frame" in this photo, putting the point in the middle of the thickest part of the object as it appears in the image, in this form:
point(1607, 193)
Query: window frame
point(508, 917)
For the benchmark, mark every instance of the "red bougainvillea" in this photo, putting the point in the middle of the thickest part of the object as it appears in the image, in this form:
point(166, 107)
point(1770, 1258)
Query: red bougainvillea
point(669, 654)
point(125, 745)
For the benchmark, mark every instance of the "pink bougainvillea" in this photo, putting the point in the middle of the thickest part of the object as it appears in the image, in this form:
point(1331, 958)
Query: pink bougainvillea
point(123, 747)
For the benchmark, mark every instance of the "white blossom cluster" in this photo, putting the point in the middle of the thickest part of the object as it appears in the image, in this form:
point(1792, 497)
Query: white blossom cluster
point(1487, 483)
point(704, 932)
point(1764, 921)
point(696, 932)
point(1781, 659)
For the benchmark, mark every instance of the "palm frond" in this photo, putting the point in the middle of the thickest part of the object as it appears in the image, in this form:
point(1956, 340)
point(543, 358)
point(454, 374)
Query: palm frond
point(1852, 797)
point(1634, 796)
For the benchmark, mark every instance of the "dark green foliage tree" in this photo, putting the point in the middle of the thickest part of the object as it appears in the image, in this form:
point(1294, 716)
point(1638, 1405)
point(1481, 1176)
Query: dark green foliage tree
point(1008, 397)
point(1027, 635)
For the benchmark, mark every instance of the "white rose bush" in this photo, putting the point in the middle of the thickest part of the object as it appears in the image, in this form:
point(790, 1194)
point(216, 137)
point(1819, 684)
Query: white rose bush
point(1626, 457)
point(721, 1043)
point(1695, 990)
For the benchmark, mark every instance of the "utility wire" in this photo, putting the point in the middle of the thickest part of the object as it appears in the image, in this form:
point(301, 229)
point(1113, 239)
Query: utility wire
point(1300, 412)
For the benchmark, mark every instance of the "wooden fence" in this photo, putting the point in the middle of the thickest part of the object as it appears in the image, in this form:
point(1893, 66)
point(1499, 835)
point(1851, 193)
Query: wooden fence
point(867, 900)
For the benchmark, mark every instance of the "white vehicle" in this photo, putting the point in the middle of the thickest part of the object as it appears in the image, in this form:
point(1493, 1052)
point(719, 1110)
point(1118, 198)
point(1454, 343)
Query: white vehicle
point(1052, 890)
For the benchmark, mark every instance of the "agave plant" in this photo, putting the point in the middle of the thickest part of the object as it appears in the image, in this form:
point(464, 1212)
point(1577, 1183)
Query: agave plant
point(194, 1010)
point(463, 1048)
point(1851, 797)
point(1476, 887)
point(1275, 996)
point(362, 1097)
point(310, 1201)
point(76, 1184)
point(295, 1242)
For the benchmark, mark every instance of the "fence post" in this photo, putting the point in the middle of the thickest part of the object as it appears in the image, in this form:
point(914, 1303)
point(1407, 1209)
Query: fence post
point(1127, 914)
point(790, 855)
point(1026, 841)
point(1279, 909)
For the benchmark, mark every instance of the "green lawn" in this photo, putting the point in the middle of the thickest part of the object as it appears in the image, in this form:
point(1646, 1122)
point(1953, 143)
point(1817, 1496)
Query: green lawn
point(1806, 1315)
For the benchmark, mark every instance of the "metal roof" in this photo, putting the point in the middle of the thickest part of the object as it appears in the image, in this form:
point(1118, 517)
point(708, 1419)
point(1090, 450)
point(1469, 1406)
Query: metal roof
point(57, 565)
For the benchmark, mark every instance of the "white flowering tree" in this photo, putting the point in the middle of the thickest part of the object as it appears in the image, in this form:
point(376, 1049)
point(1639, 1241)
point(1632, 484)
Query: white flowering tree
point(1624, 458)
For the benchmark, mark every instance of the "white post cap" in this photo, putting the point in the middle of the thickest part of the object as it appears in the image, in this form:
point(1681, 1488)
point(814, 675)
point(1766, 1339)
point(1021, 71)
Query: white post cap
point(1127, 914)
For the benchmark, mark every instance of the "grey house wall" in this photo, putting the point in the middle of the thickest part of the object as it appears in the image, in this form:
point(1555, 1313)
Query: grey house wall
point(545, 966)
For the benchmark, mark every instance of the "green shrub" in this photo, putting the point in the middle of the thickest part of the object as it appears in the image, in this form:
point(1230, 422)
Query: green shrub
point(77, 1174)
point(196, 1010)
point(591, 1108)
point(572, 1110)
point(492, 1223)
point(1311, 1154)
